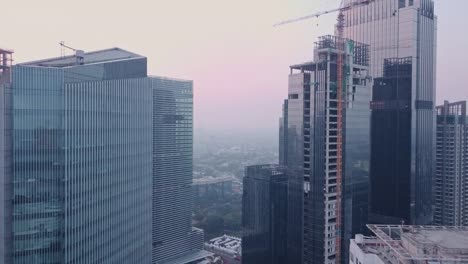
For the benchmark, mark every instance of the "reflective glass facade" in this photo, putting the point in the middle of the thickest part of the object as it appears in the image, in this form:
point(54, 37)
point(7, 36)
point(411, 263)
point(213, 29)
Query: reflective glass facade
point(264, 215)
point(108, 171)
point(173, 236)
point(299, 91)
point(6, 179)
point(391, 153)
point(283, 136)
point(97, 162)
point(400, 30)
point(82, 166)
point(38, 165)
point(356, 156)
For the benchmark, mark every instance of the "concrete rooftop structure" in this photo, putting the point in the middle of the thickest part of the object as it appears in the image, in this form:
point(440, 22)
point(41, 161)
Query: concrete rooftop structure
point(411, 244)
point(99, 56)
point(228, 247)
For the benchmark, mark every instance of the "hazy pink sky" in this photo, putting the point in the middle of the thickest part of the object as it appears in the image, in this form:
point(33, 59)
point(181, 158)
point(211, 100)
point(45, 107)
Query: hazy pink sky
point(238, 61)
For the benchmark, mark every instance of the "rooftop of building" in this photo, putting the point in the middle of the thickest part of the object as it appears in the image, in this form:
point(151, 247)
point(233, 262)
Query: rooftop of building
point(7, 51)
point(274, 168)
point(170, 79)
point(197, 256)
point(230, 243)
point(308, 66)
point(453, 241)
point(395, 244)
point(85, 58)
point(266, 166)
point(212, 180)
point(335, 45)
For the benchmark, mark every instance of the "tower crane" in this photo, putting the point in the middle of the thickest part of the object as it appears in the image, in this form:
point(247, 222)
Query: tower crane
point(62, 44)
point(340, 84)
point(79, 54)
point(340, 9)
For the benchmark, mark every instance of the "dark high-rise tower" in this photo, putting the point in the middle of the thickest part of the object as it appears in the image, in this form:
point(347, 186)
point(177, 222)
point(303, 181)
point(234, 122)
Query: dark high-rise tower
point(173, 237)
point(312, 112)
point(402, 39)
point(451, 180)
point(264, 215)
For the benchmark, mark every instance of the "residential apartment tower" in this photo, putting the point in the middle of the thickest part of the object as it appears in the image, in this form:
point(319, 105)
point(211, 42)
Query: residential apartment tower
point(451, 179)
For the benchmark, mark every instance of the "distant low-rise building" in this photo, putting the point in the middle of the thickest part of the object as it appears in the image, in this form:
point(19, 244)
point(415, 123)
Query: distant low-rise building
point(228, 247)
point(210, 186)
point(410, 244)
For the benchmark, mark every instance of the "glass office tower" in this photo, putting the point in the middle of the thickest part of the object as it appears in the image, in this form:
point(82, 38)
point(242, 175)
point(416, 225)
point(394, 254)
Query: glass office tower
point(100, 163)
point(402, 39)
point(174, 240)
point(81, 159)
point(319, 223)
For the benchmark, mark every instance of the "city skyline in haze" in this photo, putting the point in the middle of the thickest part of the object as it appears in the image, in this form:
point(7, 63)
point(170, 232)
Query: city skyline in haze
point(238, 61)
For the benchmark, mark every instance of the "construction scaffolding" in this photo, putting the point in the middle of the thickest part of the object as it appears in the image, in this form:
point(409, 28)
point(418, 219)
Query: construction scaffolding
point(422, 244)
point(360, 50)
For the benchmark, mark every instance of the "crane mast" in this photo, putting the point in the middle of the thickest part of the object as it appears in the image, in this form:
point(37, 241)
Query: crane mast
point(339, 153)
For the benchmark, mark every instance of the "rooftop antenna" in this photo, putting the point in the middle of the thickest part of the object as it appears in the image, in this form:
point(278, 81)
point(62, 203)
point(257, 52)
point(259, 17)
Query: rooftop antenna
point(79, 54)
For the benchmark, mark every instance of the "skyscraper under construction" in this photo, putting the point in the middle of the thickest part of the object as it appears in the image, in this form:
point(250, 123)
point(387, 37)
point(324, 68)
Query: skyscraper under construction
point(318, 187)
